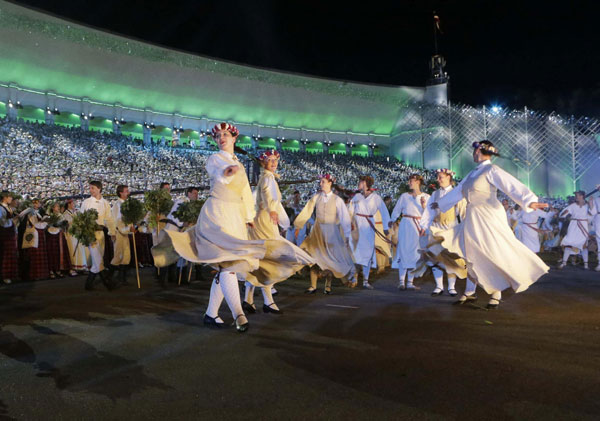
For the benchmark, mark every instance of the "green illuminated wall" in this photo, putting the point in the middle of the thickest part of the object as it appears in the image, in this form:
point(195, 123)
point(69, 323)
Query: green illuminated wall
point(43, 53)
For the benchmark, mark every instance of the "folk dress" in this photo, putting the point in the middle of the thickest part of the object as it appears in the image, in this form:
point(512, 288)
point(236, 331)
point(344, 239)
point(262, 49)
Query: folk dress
point(495, 259)
point(409, 242)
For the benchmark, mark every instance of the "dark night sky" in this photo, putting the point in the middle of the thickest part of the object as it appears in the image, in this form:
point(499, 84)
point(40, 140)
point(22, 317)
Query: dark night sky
point(513, 53)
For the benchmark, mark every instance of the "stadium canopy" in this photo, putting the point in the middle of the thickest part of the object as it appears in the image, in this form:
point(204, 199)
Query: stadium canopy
point(51, 62)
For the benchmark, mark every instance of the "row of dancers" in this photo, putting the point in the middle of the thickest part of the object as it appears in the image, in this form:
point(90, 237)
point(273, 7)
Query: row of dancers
point(461, 231)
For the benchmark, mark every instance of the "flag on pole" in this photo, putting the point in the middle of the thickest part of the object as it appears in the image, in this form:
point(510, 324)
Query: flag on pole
point(436, 20)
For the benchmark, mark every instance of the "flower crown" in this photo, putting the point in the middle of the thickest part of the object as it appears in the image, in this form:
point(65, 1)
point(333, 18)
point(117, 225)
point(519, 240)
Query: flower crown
point(445, 171)
point(488, 149)
point(328, 177)
point(225, 126)
point(270, 154)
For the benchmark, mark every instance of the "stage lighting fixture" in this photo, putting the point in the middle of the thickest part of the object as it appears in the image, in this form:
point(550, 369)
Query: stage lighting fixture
point(496, 109)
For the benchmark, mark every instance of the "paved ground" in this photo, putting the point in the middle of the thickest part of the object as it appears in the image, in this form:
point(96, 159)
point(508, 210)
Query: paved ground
point(383, 354)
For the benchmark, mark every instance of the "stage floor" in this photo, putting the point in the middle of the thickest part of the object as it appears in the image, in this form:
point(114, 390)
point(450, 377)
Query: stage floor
point(382, 354)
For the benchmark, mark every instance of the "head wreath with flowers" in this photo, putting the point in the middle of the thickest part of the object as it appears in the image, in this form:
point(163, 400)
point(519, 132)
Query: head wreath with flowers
point(270, 154)
point(486, 147)
point(445, 171)
point(225, 126)
point(327, 177)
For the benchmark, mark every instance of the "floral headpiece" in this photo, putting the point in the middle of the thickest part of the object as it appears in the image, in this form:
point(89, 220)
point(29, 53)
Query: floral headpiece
point(445, 171)
point(328, 177)
point(225, 126)
point(486, 148)
point(270, 154)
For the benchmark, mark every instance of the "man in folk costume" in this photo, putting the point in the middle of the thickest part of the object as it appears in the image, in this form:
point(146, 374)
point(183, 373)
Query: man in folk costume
point(576, 240)
point(78, 254)
point(328, 241)
point(531, 233)
point(410, 206)
point(34, 243)
point(8, 239)
point(434, 253)
point(96, 249)
point(220, 237)
point(122, 249)
point(270, 216)
point(594, 205)
point(174, 224)
point(364, 206)
point(495, 259)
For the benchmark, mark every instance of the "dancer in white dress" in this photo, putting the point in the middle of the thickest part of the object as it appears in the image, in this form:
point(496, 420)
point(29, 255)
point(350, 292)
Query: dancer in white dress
point(270, 216)
point(576, 240)
point(495, 259)
point(433, 254)
point(220, 237)
point(328, 241)
point(410, 206)
point(594, 205)
point(364, 206)
point(530, 230)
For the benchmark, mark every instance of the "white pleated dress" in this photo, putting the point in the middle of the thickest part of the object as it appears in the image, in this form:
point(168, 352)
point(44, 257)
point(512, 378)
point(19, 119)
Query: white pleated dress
point(495, 259)
point(409, 242)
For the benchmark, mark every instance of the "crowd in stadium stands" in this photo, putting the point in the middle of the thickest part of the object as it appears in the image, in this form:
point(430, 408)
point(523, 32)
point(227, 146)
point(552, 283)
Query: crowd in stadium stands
point(46, 161)
point(53, 161)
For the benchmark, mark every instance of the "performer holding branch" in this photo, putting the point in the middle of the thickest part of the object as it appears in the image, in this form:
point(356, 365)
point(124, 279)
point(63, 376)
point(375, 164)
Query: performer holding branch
point(483, 239)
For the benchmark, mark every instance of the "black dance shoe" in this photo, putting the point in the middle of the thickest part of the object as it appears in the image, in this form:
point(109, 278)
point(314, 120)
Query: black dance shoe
point(249, 308)
point(437, 292)
point(269, 309)
point(241, 327)
point(211, 322)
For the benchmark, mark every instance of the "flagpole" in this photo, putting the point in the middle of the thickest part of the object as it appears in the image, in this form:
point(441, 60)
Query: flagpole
point(435, 33)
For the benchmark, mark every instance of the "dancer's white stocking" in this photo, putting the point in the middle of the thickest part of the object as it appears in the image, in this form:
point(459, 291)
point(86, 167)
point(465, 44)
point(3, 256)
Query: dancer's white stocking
point(451, 281)
point(216, 298)
point(229, 286)
point(268, 297)
point(470, 287)
point(249, 293)
point(438, 274)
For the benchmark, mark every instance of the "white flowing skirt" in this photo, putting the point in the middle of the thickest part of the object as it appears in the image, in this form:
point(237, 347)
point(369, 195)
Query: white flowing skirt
point(495, 259)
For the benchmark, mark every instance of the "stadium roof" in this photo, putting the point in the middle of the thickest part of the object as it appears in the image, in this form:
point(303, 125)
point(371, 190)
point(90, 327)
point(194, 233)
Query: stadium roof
point(45, 53)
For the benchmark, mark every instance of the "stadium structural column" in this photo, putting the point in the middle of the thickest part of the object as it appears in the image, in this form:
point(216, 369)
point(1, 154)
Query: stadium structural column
point(116, 127)
point(371, 152)
point(348, 149)
point(84, 122)
point(49, 118)
point(303, 146)
point(147, 139)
